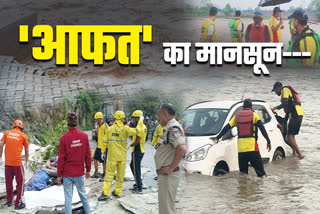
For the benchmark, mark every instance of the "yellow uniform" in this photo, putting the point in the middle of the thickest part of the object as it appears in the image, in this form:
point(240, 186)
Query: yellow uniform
point(278, 35)
point(208, 28)
point(247, 144)
point(157, 134)
point(142, 133)
point(116, 138)
point(287, 94)
point(102, 131)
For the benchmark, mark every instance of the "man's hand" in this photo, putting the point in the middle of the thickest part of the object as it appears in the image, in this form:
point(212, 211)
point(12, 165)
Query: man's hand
point(103, 156)
point(26, 165)
point(87, 176)
point(273, 109)
point(216, 140)
point(281, 22)
point(269, 147)
point(282, 27)
point(59, 180)
point(165, 170)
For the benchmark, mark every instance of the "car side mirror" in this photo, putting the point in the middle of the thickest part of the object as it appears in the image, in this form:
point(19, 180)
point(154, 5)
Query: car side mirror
point(230, 134)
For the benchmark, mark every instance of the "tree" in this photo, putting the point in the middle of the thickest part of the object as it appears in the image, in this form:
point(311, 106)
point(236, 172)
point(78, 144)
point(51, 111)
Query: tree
point(315, 4)
point(227, 10)
point(257, 9)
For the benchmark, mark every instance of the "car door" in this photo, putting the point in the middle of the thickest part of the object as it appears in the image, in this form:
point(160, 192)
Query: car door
point(266, 121)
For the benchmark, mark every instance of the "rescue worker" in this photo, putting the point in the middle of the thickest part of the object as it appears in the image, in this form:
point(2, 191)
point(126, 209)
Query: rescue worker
point(15, 140)
point(236, 28)
point(156, 138)
point(98, 156)
point(157, 133)
point(257, 32)
point(169, 153)
point(116, 138)
point(208, 28)
point(305, 40)
point(247, 123)
point(138, 150)
point(291, 104)
point(275, 27)
point(73, 163)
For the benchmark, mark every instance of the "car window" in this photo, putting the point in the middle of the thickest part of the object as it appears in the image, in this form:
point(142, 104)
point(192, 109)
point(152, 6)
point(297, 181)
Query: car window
point(260, 110)
point(204, 122)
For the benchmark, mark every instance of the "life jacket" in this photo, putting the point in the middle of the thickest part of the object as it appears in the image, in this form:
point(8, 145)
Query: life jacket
point(294, 45)
point(244, 120)
point(292, 102)
point(263, 37)
point(233, 30)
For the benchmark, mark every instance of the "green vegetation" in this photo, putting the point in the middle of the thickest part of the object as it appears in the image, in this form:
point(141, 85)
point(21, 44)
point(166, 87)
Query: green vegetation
point(149, 101)
point(227, 10)
point(49, 134)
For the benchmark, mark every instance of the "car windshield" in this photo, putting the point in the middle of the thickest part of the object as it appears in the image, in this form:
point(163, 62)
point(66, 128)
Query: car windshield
point(204, 121)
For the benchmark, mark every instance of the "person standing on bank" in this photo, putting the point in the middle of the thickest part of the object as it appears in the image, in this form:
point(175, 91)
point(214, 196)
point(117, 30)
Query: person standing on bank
point(247, 123)
point(15, 140)
point(169, 152)
point(74, 153)
point(291, 105)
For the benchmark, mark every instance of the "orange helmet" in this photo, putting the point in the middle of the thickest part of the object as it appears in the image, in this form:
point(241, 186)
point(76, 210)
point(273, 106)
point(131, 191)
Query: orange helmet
point(18, 123)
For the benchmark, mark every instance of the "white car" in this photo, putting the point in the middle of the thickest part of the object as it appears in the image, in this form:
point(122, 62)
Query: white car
point(206, 119)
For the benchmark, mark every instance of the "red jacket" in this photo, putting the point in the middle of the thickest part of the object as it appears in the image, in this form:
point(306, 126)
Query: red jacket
point(74, 153)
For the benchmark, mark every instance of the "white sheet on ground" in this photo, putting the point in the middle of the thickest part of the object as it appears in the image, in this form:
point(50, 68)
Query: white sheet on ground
point(50, 197)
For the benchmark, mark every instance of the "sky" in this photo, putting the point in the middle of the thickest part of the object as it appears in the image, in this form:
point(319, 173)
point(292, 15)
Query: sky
point(245, 4)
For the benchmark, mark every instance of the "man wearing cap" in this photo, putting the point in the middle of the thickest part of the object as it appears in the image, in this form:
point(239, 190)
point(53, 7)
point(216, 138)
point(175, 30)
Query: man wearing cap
point(15, 140)
point(291, 104)
point(98, 156)
point(208, 28)
point(247, 122)
point(236, 28)
point(257, 32)
point(275, 27)
point(138, 150)
point(169, 152)
point(74, 157)
point(305, 40)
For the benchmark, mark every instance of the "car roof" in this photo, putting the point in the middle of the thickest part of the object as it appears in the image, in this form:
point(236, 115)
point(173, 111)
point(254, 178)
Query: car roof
point(218, 104)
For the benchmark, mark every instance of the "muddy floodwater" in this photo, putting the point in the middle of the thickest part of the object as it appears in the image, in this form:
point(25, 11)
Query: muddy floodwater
point(292, 185)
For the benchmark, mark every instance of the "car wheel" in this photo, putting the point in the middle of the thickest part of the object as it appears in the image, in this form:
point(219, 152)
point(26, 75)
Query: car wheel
point(218, 172)
point(221, 169)
point(278, 155)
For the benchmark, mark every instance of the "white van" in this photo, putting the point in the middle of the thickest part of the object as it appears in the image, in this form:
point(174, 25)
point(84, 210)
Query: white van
point(206, 119)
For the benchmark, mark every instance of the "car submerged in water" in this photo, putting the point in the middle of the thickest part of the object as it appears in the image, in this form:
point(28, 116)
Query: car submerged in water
point(206, 119)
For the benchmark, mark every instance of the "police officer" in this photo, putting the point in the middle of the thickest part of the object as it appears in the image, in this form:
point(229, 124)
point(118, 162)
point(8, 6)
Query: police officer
point(170, 150)
point(247, 122)
point(291, 105)
point(98, 156)
point(116, 138)
point(138, 150)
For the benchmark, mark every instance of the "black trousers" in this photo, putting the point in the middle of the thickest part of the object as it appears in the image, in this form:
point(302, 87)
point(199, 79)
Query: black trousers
point(254, 158)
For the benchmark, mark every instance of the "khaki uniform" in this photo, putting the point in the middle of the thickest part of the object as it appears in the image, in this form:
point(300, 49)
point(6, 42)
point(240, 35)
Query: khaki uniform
point(166, 149)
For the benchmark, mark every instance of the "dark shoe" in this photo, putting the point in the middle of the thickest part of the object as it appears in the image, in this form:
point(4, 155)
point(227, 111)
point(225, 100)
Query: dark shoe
point(9, 204)
point(143, 187)
point(136, 191)
point(115, 195)
point(101, 179)
point(103, 197)
point(96, 175)
point(20, 207)
point(156, 178)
